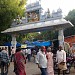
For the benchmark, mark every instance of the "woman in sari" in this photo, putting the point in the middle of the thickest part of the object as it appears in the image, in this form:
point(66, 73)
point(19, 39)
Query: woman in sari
point(19, 63)
point(49, 56)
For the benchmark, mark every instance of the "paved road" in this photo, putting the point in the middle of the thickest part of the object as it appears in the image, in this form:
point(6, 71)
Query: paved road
point(32, 69)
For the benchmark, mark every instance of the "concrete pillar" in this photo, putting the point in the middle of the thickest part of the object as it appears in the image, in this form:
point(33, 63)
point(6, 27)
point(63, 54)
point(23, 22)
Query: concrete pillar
point(26, 17)
point(61, 37)
point(40, 14)
point(13, 42)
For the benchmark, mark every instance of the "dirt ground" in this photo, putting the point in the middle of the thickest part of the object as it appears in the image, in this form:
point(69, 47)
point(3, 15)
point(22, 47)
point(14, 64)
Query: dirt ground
point(32, 69)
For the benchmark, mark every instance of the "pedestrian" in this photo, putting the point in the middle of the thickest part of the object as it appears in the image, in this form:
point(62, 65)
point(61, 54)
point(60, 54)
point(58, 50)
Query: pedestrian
point(67, 48)
point(49, 56)
point(4, 61)
point(42, 61)
point(12, 53)
point(61, 60)
point(34, 55)
point(0, 57)
point(29, 54)
point(72, 49)
point(19, 62)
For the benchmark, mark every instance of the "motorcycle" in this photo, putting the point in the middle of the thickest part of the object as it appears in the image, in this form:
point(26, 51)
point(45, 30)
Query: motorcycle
point(55, 66)
point(69, 64)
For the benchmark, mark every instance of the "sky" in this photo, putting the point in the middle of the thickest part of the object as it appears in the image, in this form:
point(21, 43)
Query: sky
point(65, 5)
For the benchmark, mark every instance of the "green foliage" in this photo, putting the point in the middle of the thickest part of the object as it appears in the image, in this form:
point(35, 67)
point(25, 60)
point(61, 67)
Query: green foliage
point(9, 9)
point(71, 18)
point(28, 36)
point(47, 35)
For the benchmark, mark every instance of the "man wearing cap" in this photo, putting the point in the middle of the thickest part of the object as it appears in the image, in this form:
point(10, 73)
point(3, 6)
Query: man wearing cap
point(42, 61)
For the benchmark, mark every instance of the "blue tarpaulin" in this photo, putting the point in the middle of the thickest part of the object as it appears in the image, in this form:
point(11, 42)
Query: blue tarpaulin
point(45, 43)
point(9, 44)
point(30, 46)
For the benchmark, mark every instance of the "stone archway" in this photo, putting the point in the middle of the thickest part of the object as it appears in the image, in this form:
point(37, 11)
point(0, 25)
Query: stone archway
point(45, 22)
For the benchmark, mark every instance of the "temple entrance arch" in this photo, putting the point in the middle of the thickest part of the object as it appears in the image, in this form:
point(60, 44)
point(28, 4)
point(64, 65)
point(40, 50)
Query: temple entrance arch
point(34, 22)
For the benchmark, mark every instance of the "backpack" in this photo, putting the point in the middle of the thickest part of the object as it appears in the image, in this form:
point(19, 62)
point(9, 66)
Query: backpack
point(4, 61)
point(4, 58)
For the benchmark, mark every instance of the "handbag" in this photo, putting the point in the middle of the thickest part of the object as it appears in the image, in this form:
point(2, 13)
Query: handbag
point(62, 66)
point(62, 63)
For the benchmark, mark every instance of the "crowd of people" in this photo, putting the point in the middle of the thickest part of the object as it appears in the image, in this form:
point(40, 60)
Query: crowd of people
point(44, 59)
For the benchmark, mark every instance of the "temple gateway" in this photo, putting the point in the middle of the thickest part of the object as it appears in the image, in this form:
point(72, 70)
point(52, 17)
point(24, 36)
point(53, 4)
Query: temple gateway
point(34, 21)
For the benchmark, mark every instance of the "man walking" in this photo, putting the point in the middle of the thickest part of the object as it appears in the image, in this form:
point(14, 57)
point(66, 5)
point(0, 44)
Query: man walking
point(42, 61)
point(29, 54)
point(12, 53)
point(4, 61)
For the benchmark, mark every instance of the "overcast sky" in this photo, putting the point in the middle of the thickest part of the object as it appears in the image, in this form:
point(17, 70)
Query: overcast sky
point(65, 5)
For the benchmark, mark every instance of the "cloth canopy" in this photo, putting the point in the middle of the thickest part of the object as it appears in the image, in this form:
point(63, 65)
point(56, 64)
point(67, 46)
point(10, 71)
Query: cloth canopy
point(9, 44)
point(45, 43)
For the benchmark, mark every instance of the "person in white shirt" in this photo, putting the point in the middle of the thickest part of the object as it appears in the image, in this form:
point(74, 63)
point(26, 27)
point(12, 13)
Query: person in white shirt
point(42, 61)
point(12, 53)
point(29, 54)
point(61, 59)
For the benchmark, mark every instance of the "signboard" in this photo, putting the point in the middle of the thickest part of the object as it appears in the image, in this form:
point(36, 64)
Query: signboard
point(24, 46)
point(33, 16)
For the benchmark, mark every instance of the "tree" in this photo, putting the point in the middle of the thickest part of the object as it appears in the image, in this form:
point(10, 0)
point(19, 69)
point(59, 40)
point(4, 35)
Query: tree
point(71, 18)
point(8, 11)
point(45, 35)
point(29, 37)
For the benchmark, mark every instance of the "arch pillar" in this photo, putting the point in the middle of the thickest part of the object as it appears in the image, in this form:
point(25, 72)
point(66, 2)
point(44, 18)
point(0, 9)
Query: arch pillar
point(61, 37)
point(13, 42)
